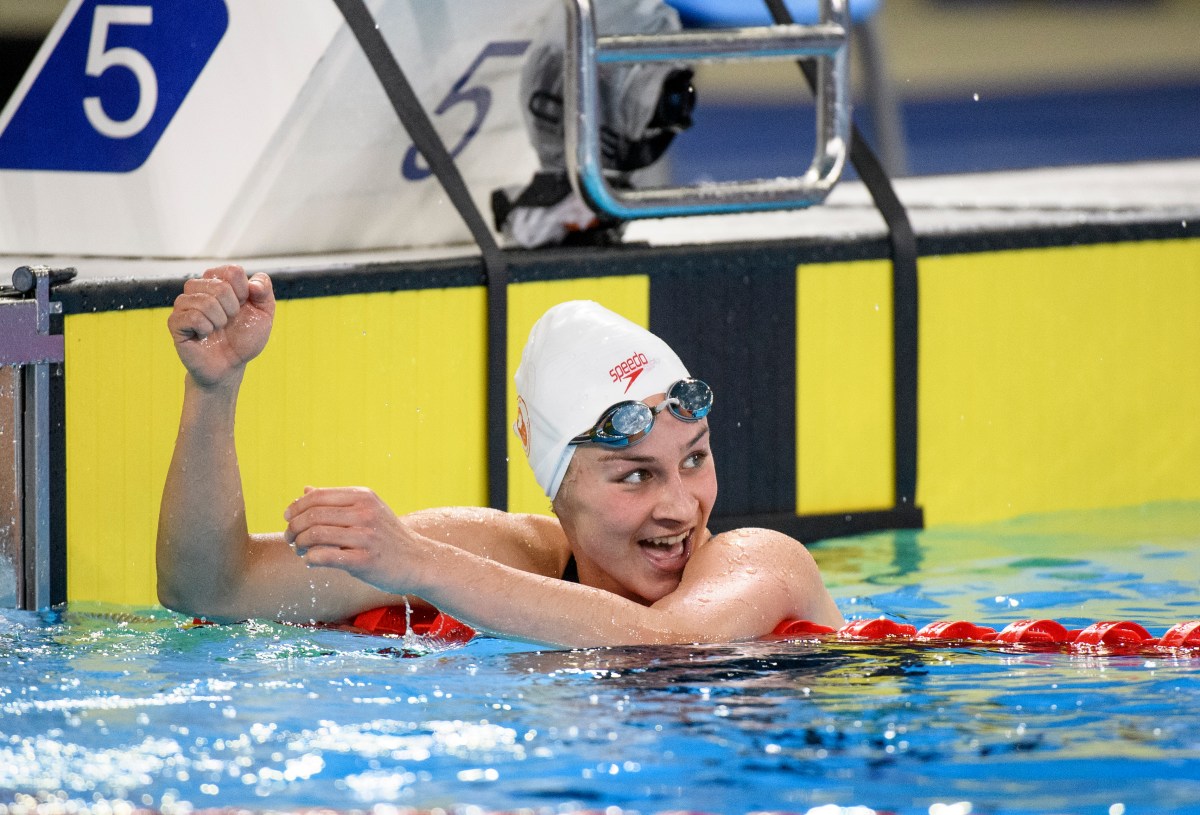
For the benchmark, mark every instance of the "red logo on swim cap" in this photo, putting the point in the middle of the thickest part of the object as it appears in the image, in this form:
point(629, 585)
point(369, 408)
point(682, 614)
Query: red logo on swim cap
point(629, 370)
point(522, 424)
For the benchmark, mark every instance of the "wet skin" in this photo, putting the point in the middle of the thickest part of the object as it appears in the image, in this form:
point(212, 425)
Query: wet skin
point(637, 514)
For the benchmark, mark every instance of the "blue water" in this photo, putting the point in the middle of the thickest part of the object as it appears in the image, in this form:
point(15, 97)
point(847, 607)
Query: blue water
point(101, 705)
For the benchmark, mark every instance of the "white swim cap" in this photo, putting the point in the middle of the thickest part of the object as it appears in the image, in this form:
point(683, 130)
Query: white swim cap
point(580, 360)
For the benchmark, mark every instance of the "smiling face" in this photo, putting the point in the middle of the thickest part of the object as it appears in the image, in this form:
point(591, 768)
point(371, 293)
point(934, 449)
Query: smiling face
point(635, 515)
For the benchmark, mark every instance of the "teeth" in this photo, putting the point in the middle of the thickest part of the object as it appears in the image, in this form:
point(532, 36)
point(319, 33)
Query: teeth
point(668, 542)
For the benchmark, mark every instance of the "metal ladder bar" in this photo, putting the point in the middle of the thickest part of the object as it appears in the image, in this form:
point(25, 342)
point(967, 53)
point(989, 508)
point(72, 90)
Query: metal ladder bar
point(28, 349)
point(827, 43)
point(759, 42)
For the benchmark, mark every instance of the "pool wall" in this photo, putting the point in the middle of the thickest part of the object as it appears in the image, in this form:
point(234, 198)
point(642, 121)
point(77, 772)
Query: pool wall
point(1058, 370)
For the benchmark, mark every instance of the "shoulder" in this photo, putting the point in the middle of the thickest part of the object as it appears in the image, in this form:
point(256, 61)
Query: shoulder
point(532, 543)
point(781, 564)
point(767, 547)
point(758, 538)
point(543, 531)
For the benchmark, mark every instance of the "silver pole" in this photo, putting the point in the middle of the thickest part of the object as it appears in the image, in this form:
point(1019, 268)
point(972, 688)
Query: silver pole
point(37, 486)
point(12, 556)
point(27, 350)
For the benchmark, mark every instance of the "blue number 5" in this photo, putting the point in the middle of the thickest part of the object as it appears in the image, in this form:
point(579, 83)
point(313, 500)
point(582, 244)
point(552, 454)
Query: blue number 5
point(478, 96)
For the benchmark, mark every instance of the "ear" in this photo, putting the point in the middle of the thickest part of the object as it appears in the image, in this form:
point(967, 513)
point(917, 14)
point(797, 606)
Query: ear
point(562, 501)
point(563, 504)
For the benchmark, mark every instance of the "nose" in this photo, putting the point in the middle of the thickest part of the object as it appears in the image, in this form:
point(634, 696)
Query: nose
point(675, 501)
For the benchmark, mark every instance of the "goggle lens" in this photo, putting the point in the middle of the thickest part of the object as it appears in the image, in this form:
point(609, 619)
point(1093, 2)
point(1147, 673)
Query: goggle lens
point(629, 419)
point(690, 399)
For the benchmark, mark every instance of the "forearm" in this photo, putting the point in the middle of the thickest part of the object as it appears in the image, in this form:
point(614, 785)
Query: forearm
point(718, 600)
point(515, 604)
point(203, 541)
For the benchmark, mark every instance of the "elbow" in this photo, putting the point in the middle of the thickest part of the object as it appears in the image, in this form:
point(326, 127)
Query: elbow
point(171, 584)
point(168, 599)
point(170, 594)
point(198, 587)
point(176, 595)
point(174, 598)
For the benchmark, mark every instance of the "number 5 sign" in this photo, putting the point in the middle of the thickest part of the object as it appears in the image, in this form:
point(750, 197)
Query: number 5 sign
point(105, 86)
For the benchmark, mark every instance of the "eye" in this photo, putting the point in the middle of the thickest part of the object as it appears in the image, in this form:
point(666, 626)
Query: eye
point(636, 477)
point(695, 460)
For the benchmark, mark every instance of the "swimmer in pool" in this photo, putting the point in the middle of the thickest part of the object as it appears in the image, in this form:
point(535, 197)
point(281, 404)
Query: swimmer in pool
point(617, 434)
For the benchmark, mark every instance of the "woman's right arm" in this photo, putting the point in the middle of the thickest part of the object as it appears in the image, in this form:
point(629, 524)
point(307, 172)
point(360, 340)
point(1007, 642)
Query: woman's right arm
point(220, 322)
point(208, 563)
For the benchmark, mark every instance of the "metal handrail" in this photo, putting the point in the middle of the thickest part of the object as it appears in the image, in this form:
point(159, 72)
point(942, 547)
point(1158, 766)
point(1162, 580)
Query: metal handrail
point(826, 42)
point(27, 350)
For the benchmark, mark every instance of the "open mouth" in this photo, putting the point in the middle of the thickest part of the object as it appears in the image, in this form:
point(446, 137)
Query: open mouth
point(668, 552)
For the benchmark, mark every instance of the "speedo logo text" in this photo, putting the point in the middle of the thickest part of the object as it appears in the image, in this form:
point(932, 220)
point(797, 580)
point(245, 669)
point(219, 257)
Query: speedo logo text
point(629, 370)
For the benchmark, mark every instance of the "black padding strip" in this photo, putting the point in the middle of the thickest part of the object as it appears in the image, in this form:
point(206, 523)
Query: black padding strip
point(812, 528)
point(526, 266)
point(58, 480)
point(736, 330)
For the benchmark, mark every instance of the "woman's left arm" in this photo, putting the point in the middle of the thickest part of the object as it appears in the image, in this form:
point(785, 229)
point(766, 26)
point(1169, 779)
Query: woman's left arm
point(735, 587)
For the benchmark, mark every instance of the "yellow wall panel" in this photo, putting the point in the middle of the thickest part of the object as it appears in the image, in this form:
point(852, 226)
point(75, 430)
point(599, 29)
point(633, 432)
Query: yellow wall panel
point(384, 390)
point(123, 390)
point(1049, 379)
point(844, 436)
point(1059, 378)
point(628, 296)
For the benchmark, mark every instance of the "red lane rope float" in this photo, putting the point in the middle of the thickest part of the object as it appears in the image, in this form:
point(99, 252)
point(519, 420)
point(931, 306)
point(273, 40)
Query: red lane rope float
point(1108, 635)
point(957, 630)
point(1181, 635)
point(424, 621)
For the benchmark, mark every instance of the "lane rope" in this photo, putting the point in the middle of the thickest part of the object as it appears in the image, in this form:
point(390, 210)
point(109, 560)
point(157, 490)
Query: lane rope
point(1108, 635)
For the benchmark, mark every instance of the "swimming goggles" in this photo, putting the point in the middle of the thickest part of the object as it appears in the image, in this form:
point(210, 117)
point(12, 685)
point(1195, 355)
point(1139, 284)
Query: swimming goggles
point(626, 423)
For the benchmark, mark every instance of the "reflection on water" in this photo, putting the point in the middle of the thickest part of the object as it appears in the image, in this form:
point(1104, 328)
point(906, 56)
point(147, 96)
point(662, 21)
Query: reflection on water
point(1139, 564)
point(100, 704)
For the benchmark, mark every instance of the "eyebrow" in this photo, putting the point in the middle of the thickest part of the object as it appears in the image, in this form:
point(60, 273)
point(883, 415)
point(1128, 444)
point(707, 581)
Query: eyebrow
point(636, 459)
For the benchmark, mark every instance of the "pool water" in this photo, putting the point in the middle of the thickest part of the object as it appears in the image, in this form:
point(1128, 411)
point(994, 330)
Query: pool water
point(105, 707)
